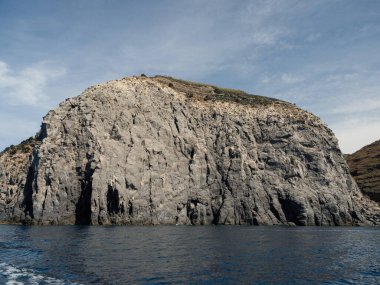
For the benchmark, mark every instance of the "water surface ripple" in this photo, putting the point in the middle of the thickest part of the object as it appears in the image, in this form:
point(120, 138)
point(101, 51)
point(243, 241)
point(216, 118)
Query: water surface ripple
point(189, 255)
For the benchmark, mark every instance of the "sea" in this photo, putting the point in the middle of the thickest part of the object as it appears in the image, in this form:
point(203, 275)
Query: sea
point(189, 255)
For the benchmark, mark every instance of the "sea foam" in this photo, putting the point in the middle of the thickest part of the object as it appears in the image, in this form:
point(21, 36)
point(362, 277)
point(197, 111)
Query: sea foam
point(21, 276)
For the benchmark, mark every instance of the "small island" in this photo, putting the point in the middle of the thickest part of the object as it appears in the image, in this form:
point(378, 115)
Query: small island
point(159, 150)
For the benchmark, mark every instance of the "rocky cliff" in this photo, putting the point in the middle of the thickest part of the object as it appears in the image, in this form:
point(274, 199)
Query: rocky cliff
point(365, 168)
point(164, 151)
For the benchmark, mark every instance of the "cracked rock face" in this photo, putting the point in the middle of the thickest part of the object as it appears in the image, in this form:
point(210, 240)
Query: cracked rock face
point(160, 151)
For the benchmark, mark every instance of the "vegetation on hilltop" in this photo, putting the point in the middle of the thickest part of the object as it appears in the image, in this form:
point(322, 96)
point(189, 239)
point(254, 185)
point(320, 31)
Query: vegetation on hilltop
point(25, 146)
point(365, 168)
point(210, 92)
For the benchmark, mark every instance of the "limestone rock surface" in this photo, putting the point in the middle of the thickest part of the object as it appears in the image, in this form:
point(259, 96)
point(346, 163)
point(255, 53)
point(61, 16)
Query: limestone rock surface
point(164, 151)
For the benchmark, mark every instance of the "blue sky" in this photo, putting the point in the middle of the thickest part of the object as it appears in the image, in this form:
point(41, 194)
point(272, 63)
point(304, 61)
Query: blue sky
point(322, 55)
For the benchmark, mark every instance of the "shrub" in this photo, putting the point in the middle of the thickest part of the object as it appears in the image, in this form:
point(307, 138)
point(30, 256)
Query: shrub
point(13, 151)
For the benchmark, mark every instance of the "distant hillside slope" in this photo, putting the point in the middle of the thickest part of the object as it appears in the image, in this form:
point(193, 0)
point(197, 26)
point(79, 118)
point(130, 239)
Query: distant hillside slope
point(365, 168)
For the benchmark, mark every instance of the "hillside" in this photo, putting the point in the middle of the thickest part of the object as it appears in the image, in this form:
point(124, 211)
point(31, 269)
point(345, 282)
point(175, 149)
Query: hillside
point(365, 168)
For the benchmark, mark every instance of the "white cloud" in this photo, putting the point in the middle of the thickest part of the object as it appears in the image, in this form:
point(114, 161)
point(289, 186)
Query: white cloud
point(15, 128)
point(257, 21)
point(27, 87)
point(313, 37)
point(266, 80)
point(342, 78)
point(291, 78)
point(353, 134)
point(358, 106)
point(5, 80)
point(285, 78)
point(267, 36)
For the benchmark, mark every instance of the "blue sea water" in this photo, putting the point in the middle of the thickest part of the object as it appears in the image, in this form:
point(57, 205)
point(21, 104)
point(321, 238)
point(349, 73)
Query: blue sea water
point(189, 255)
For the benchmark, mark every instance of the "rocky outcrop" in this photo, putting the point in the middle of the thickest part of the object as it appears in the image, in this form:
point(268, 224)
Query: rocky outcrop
point(15, 193)
point(365, 168)
point(164, 151)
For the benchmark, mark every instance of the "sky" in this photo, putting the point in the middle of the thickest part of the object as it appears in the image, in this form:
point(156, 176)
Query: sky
point(322, 55)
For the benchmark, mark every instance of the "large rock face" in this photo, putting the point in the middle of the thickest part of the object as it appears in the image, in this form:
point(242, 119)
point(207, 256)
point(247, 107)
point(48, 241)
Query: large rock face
point(365, 168)
point(162, 151)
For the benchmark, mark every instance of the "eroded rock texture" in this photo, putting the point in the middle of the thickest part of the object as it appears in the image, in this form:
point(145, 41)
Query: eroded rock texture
point(161, 151)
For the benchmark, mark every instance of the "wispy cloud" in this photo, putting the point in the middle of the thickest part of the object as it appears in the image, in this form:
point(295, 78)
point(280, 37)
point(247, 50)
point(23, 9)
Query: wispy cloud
point(14, 128)
point(222, 37)
point(313, 37)
point(27, 86)
point(358, 106)
point(267, 36)
point(285, 78)
point(291, 78)
point(260, 24)
point(355, 133)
